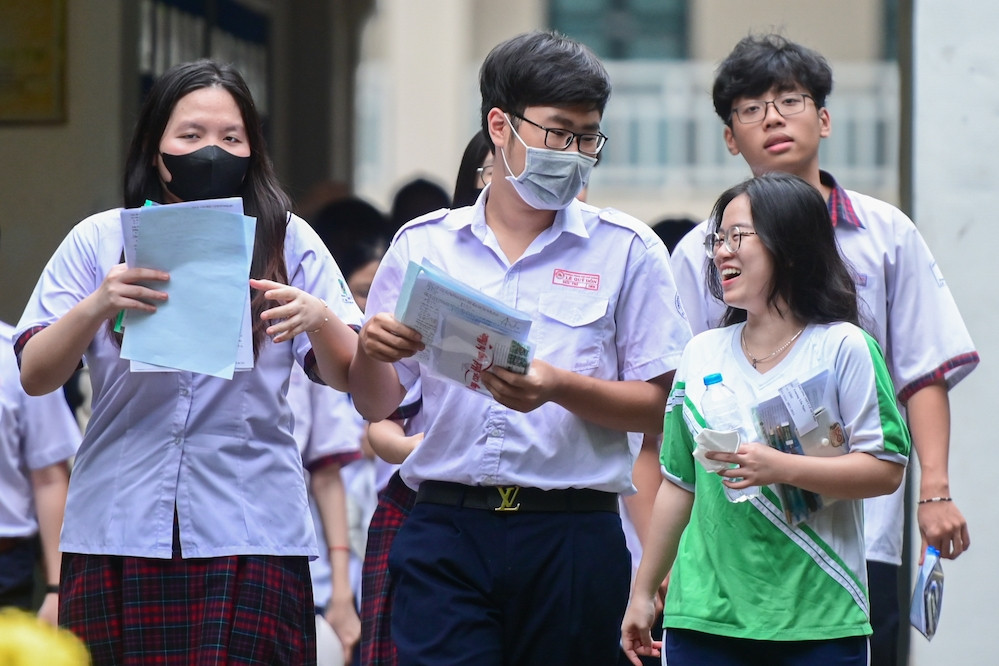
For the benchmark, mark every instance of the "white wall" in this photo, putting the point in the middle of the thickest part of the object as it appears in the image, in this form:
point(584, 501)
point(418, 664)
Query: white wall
point(52, 175)
point(956, 201)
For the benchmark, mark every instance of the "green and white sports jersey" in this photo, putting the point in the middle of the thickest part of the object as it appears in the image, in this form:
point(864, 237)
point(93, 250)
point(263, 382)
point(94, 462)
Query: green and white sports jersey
point(742, 570)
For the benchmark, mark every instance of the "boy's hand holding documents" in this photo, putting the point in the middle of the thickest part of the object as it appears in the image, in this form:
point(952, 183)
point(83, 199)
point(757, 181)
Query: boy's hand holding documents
point(465, 331)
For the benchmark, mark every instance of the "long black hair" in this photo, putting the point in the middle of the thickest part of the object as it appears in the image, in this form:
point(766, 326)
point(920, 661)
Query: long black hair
point(792, 221)
point(262, 195)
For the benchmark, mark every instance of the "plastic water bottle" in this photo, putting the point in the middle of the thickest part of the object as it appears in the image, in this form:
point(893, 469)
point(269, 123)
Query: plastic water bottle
point(720, 408)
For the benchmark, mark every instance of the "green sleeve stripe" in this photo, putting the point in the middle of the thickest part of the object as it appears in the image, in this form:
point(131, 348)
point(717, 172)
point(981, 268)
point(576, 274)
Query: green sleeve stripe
point(896, 433)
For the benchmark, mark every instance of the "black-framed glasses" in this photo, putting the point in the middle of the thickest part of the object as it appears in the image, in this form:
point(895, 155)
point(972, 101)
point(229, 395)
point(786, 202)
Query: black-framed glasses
point(557, 138)
point(484, 174)
point(788, 104)
point(732, 239)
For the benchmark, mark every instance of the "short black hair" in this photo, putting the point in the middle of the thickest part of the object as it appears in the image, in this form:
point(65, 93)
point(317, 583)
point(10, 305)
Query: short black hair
point(355, 232)
point(417, 197)
point(542, 69)
point(761, 62)
point(672, 230)
point(792, 221)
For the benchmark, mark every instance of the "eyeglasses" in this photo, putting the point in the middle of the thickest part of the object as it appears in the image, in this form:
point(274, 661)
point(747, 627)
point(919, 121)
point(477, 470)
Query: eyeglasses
point(732, 238)
point(485, 174)
point(788, 104)
point(560, 139)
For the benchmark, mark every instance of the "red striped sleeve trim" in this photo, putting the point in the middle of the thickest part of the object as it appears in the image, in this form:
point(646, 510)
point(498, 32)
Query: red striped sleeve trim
point(311, 371)
point(937, 375)
point(340, 459)
point(23, 340)
point(310, 362)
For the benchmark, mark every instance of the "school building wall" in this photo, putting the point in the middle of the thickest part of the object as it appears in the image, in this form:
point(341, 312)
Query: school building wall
point(955, 201)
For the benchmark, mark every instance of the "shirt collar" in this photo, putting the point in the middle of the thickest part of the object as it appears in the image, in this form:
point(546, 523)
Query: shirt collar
point(840, 207)
point(569, 219)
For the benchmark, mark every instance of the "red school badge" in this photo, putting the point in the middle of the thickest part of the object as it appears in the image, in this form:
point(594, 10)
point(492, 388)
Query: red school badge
point(588, 281)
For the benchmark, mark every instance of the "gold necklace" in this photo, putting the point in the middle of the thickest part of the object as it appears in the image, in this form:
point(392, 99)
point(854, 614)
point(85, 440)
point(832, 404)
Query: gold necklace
point(769, 356)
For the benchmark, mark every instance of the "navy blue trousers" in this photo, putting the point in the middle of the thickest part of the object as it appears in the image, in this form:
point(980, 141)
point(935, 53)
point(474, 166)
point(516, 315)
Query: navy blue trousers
point(17, 574)
point(882, 582)
point(479, 587)
point(693, 648)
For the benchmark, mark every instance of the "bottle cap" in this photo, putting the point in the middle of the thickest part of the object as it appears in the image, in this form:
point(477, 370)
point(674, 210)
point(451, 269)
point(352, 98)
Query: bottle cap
point(714, 378)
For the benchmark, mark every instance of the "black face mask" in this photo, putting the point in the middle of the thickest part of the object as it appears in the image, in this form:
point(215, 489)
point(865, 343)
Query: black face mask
point(207, 173)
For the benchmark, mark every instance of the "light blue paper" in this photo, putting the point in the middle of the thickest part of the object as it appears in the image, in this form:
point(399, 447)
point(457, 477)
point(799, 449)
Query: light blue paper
point(207, 253)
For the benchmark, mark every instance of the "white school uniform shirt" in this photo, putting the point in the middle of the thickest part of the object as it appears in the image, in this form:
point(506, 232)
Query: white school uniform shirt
point(221, 451)
point(328, 431)
point(410, 413)
point(906, 305)
point(598, 288)
point(35, 432)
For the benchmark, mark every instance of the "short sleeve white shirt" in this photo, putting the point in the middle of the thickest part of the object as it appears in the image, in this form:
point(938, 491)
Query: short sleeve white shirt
point(35, 432)
point(220, 451)
point(598, 288)
point(328, 431)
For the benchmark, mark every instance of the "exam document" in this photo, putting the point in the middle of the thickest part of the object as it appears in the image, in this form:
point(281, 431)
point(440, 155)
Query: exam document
point(207, 248)
point(466, 332)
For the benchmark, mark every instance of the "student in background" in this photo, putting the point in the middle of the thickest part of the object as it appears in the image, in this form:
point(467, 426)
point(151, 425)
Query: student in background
point(771, 96)
point(415, 198)
point(330, 435)
point(38, 436)
point(474, 172)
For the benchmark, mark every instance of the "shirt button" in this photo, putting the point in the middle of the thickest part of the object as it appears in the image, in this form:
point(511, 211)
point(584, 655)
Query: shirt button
point(177, 440)
point(184, 392)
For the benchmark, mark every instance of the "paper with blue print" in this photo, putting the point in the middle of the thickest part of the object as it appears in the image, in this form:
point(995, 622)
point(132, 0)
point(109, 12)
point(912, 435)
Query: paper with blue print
point(466, 332)
point(207, 252)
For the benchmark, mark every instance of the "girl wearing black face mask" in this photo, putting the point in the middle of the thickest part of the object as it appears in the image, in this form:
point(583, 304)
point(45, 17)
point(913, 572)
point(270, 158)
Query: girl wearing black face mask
point(186, 520)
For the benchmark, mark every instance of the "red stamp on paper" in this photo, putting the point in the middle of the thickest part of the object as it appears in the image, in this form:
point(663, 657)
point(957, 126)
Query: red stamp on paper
point(589, 281)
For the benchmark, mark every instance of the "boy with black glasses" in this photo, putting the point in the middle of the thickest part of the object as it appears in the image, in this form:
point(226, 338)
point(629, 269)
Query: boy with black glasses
point(771, 95)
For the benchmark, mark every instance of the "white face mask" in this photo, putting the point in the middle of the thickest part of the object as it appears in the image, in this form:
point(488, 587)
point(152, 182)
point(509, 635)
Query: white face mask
point(551, 179)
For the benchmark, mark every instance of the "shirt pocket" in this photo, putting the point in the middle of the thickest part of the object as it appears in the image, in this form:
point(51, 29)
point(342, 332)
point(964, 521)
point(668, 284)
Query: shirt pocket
point(575, 330)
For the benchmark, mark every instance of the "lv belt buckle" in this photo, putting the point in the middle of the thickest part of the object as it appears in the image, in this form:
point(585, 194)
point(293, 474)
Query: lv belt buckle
point(508, 497)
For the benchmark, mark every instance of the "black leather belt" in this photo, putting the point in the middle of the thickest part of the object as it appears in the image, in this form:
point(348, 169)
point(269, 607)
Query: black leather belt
point(512, 499)
point(10, 543)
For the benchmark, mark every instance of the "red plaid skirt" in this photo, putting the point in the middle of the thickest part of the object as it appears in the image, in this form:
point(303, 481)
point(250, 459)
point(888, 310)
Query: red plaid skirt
point(245, 609)
point(394, 504)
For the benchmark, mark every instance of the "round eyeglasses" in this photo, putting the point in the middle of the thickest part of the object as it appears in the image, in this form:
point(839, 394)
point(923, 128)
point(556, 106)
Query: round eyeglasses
point(485, 174)
point(732, 239)
point(559, 139)
point(753, 112)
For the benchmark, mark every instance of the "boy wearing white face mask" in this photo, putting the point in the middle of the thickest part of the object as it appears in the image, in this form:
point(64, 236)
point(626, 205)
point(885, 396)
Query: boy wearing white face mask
point(514, 552)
